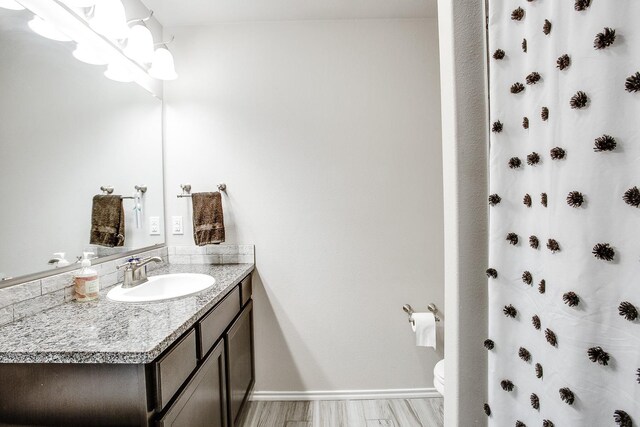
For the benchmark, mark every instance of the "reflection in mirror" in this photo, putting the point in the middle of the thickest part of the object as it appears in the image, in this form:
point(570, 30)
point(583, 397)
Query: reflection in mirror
point(66, 132)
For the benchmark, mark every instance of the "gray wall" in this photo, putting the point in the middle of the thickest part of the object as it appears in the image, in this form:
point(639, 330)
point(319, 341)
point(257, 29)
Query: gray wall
point(327, 134)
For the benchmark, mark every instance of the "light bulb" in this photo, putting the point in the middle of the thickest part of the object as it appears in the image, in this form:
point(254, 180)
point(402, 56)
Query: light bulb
point(10, 4)
point(90, 55)
point(118, 72)
point(140, 44)
point(45, 29)
point(109, 19)
point(163, 67)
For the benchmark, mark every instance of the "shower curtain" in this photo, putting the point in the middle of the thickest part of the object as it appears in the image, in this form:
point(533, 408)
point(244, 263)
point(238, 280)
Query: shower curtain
point(564, 273)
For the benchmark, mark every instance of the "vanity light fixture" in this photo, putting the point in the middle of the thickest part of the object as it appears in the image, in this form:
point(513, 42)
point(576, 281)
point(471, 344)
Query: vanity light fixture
point(11, 5)
point(140, 41)
point(163, 66)
point(45, 29)
point(109, 19)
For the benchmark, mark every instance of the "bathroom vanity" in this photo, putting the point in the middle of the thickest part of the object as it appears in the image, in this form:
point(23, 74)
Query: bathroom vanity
point(184, 362)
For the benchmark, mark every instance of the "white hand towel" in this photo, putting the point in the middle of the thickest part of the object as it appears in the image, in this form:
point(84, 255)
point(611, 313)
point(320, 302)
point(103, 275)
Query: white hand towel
point(424, 325)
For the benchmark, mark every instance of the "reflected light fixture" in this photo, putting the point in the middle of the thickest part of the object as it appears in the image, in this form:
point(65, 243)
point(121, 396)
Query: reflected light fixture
point(44, 29)
point(140, 41)
point(140, 44)
point(100, 33)
point(118, 72)
point(163, 66)
point(11, 5)
point(109, 19)
point(90, 55)
point(79, 3)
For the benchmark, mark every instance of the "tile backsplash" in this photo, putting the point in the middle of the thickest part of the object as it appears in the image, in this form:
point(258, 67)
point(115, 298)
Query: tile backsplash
point(212, 254)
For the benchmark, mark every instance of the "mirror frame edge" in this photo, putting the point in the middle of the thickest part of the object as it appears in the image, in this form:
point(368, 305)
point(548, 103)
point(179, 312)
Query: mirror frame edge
point(47, 273)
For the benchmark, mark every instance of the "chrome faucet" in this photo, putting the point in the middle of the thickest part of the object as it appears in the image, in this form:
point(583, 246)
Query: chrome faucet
point(135, 271)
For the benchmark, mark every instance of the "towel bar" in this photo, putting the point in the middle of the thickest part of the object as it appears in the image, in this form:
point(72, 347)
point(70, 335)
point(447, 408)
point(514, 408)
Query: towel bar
point(431, 307)
point(108, 189)
point(186, 189)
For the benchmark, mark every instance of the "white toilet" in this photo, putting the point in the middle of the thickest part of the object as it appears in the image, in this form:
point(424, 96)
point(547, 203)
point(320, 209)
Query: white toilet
point(438, 377)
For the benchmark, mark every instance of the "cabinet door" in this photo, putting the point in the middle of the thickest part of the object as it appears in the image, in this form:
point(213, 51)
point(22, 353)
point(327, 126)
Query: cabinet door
point(240, 364)
point(202, 402)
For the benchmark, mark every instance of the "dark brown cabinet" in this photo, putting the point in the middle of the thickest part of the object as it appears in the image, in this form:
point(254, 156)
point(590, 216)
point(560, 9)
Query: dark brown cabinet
point(173, 368)
point(203, 401)
point(239, 349)
point(212, 326)
point(203, 379)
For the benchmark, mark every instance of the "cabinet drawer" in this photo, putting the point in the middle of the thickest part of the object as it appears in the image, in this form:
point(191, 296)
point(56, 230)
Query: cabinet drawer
point(245, 290)
point(213, 325)
point(203, 401)
point(174, 368)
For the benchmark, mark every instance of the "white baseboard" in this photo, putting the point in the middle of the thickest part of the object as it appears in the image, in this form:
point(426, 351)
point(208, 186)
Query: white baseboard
point(405, 393)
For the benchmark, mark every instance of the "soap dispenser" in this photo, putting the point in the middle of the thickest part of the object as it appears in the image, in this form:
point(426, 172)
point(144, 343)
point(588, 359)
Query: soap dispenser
point(86, 284)
point(59, 260)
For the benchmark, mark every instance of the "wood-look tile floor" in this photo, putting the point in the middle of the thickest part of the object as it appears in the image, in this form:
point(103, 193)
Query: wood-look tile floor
point(345, 413)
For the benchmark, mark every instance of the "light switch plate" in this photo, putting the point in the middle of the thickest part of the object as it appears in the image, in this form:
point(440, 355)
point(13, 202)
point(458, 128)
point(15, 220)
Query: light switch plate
point(176, 225)
point(154, 225)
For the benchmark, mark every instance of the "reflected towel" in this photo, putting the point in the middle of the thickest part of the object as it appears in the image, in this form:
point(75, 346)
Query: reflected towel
point(107, 221)
point(208, 220)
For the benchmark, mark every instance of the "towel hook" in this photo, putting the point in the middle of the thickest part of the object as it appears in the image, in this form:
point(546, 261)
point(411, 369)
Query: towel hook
point(106, 189)
point(141, 188)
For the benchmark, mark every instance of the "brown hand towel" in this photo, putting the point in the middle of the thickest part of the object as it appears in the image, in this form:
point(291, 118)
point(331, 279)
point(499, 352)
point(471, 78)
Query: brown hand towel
point(208, 221)
point(107, 221)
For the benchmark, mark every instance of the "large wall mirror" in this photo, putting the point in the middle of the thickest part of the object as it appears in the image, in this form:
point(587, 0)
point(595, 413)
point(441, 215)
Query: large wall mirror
point(65, 132)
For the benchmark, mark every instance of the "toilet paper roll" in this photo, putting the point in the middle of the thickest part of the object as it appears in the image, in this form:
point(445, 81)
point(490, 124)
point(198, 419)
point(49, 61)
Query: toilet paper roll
point(424, 325)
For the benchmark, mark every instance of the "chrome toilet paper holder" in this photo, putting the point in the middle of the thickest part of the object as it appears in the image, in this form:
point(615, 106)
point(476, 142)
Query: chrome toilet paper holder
point(431, 307)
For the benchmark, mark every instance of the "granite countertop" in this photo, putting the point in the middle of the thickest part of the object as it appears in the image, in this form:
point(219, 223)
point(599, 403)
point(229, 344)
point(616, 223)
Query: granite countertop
point(105, 331)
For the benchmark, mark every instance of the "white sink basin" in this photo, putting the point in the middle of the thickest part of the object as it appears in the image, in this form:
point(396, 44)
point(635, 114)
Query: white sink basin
point(163, 287)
